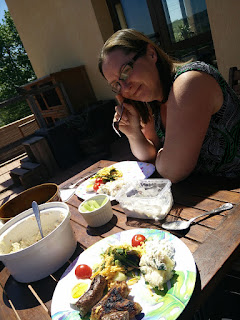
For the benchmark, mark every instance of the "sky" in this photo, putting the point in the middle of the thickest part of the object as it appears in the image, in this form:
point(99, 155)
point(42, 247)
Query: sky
point(3, 7)
point(174, 10)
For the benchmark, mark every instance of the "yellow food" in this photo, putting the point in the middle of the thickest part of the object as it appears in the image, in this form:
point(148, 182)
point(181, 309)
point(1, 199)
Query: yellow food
point(110, 267)
point(109, 173)
point(79, 289)
point(156, 262)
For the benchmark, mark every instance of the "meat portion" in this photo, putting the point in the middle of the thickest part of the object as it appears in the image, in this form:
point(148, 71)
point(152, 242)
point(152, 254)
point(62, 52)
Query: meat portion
point(92, 295)
point(117, 315)
point(115, 300)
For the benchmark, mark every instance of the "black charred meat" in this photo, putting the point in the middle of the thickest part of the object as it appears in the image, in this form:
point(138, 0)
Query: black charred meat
point(115, 300)
point(92, 295)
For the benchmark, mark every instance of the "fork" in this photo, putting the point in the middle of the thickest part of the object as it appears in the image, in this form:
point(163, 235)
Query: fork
point(73, 185)
point(115, 124)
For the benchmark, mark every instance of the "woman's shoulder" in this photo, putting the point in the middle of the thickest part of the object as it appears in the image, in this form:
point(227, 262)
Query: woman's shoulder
point(197, 66)
point(205, 69)
point(196, 87)
point(194, 75)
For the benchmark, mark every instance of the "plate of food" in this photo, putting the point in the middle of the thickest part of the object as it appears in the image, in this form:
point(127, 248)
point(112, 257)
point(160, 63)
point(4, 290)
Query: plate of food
point(111, 179)
point(135, 274)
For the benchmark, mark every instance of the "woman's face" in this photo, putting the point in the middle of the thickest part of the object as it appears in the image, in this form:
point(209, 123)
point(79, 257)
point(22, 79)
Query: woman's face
point(143, 83)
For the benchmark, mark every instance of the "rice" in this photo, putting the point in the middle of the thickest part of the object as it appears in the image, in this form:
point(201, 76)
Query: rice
point(111, 188)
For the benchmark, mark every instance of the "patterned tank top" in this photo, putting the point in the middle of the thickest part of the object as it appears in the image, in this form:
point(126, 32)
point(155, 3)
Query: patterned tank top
point(220, 152)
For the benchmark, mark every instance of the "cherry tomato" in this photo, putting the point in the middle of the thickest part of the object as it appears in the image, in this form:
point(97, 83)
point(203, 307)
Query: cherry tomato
point(137, 240)
point(83, 271)
point(97, 184)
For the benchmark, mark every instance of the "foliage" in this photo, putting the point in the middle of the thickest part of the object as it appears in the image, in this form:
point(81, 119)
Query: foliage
point(182, 28)
point(15, 69)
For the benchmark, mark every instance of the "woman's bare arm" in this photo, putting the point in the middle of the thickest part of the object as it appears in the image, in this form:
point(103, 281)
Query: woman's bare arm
point(193, 99)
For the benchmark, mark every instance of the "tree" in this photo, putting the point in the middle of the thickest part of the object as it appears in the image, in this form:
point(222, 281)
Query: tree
point(15, 69)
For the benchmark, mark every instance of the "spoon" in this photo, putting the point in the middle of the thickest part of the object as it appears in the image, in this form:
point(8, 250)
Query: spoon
point(37, 215)
point(182, 225)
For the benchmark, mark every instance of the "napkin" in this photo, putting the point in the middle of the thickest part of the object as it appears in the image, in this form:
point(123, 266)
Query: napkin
point(66, 194)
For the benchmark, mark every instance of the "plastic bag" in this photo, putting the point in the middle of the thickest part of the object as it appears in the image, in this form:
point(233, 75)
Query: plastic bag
point(146, 199)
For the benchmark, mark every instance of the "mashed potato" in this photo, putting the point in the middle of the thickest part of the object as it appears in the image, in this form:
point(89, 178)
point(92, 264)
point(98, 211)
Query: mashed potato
point(28, 241)
point(27, 233)
point(157, 263)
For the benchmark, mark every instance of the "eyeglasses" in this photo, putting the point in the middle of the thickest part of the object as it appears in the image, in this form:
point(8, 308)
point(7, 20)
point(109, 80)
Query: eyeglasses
point(126, 71)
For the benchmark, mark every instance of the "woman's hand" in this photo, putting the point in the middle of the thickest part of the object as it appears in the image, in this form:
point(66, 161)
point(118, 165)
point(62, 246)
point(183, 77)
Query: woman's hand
point(142, 137)
point(130, 123)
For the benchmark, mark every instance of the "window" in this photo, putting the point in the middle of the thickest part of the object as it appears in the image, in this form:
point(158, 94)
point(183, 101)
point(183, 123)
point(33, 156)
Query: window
point(185, 19)
point(180, 27)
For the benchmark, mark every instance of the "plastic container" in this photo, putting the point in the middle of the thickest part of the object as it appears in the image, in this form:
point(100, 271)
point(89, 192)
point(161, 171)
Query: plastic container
point(100, 216)
point(146, 199)
point(45, 256)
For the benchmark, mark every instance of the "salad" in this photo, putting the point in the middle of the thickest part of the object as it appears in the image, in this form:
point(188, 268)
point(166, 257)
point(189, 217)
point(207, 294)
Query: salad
point(103, 177)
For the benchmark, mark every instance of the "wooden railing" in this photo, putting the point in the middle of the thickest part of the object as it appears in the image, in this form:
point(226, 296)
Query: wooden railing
point(13, 134)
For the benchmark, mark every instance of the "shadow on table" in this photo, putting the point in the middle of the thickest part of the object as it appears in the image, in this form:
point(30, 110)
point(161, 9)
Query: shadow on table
point(196, 187)
point(97, 231)
point(22, 298)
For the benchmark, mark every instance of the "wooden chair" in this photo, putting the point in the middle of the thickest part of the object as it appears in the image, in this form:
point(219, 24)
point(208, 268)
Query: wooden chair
point(234, 79)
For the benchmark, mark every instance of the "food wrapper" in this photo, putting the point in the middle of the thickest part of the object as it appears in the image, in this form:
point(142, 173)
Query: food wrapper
point(146, 199)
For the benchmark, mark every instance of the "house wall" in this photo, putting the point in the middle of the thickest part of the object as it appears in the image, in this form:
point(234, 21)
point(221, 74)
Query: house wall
point(225, 27)
point(60, 34)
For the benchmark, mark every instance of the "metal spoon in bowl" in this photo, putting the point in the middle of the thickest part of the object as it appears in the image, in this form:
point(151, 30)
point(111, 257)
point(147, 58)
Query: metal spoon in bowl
point(37, 215)
point(182, 225)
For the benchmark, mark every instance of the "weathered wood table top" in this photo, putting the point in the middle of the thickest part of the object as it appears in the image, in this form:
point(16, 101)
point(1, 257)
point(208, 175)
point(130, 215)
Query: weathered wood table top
point(214, 243)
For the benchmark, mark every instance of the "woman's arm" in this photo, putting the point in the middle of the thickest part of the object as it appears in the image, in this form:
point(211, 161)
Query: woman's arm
point(193, 99)
point(143, 139)
point(145, 144)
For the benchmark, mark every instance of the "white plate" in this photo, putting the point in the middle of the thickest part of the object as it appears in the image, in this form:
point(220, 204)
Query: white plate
point(155, 307)
point(131, 170)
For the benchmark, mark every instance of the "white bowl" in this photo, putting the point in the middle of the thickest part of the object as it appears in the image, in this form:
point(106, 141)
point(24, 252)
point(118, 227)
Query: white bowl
point(99, 216)
point(45, 256)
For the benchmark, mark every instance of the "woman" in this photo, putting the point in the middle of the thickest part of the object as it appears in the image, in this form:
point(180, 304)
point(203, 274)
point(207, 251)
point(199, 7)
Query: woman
point(188, 119)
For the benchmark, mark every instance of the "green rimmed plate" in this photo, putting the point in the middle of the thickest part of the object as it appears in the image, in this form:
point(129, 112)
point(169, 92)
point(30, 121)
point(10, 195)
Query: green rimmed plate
point(167, 306)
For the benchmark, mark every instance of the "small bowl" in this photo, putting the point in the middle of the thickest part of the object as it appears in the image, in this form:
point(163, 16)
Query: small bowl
point(46, 192)
point(47, 255)
point(100, 216)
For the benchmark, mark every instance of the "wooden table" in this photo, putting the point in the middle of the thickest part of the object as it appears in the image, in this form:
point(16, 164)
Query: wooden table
point(214, 243)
